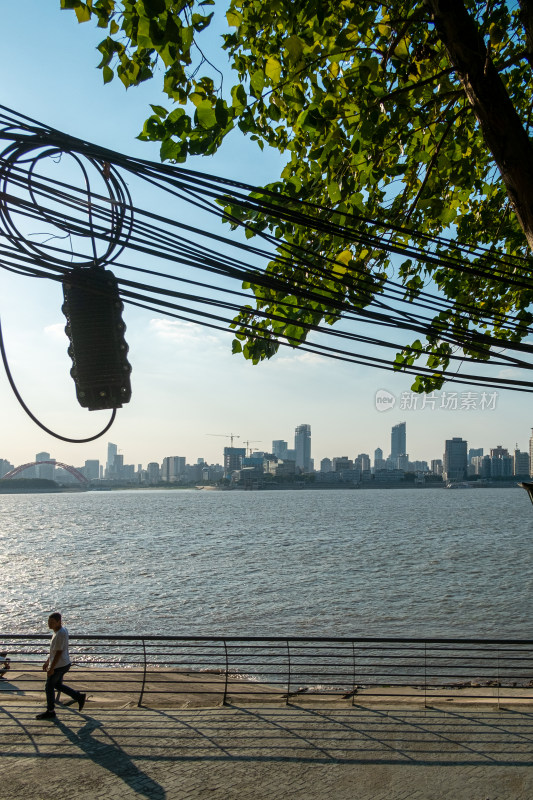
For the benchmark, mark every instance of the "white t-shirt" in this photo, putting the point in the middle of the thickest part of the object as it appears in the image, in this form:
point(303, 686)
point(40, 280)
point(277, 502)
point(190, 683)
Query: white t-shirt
point(59, 642)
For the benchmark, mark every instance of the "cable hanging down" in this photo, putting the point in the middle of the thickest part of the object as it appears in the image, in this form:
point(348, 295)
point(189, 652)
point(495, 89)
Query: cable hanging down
point(179, 263)
point(33, 417)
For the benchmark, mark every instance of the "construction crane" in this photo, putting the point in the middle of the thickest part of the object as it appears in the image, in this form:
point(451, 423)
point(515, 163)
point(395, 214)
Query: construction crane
point(248, 443)
point(230, 436)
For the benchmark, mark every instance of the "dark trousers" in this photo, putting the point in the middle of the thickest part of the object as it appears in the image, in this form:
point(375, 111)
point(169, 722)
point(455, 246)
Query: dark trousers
point(55, 683)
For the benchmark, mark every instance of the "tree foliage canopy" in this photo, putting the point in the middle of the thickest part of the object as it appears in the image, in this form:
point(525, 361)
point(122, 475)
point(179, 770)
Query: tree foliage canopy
point(383, 110)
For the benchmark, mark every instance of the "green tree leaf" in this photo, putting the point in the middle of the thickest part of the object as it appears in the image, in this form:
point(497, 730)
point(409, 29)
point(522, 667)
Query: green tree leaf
point(83, 13)
point(257, 80)
point(334, 192)
point(206, 114)
point(273, 70)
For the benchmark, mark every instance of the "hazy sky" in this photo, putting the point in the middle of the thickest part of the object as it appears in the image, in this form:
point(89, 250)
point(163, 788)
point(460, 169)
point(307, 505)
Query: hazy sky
point(186, 383)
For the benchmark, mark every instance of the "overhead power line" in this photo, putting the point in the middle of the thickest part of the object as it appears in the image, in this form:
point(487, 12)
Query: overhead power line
point(50, 227)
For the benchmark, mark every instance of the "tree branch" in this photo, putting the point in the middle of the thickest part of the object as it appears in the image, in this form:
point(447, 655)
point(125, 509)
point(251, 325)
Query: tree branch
point(431, 79)
point(416, 16)
point(500, 124)
point(433, 159)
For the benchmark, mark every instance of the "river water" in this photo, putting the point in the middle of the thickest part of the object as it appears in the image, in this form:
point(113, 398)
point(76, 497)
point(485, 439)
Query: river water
point(413, 562)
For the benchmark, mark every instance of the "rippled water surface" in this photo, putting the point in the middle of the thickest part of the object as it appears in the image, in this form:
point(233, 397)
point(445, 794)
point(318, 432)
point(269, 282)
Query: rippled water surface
point(412, 562)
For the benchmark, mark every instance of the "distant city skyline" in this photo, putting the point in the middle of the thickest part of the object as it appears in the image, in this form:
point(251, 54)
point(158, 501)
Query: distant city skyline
point(302, 452)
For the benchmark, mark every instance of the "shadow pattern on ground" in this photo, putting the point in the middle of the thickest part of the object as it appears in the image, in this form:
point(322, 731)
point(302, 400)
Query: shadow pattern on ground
point(120, 741)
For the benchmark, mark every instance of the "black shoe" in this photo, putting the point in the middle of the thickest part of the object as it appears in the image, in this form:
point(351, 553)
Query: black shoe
point(46, 715)
point(81, 701)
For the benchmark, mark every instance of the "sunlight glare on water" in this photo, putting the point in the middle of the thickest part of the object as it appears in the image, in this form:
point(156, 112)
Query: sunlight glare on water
point(325, 563)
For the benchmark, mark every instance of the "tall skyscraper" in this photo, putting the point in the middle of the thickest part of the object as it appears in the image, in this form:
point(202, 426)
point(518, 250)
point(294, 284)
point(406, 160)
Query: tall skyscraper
point(455, 459)
point(279, 449)
point(302, 445)
point(118, 466)
point(112, 450)
point(398, 446)
point(379, 461)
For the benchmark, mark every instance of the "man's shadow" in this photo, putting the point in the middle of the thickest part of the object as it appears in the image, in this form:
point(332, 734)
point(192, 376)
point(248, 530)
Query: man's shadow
point(110, 756)
point(7, 686)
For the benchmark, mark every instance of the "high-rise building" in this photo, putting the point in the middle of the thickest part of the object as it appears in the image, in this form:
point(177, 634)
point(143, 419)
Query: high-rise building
point(279, 449)
point(521, 464)
point(402, 462)
point(118, 466)
point(302, 445)
point(153, 472)
point(233, 457)
point(498, 452)
point(531, 453)
point(398, 446)
point(501, 466)
point(362, 462)
point(418, 466)
point(128, 472)
point(436, 466)
point(5, 467)
point(474, 452)
point(112, 450)
point(172, 468)
point(325, 465)
point(342, 463)
point(45, 471)
point(455, 459)
point(92, 470)
point(480, 465)
point(379, 461)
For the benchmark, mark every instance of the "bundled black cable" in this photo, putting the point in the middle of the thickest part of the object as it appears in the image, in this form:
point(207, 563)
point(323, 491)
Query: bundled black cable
point(99, 224)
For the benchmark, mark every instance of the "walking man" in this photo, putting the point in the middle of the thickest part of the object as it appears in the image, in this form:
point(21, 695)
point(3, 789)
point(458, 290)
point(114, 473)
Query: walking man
point(56, 666)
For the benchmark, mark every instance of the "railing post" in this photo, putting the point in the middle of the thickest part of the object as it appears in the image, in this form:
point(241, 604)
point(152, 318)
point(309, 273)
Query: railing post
point(144, 675)
point(288, 671)
point(498, 678)
point(226, 673)
point(425, 676)
point(353, 675)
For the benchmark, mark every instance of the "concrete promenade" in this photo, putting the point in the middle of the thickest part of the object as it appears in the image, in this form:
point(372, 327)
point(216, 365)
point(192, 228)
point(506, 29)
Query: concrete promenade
point(260, 753)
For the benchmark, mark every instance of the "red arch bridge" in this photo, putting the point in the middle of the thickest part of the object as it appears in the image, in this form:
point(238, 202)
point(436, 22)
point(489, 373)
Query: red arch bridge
point(73, 471)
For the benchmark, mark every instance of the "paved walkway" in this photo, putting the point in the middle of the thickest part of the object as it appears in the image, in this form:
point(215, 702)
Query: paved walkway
point(267, 754)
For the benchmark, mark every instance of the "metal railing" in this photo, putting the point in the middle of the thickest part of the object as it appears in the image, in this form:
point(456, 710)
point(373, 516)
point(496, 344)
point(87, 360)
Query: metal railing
point(211, 670)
